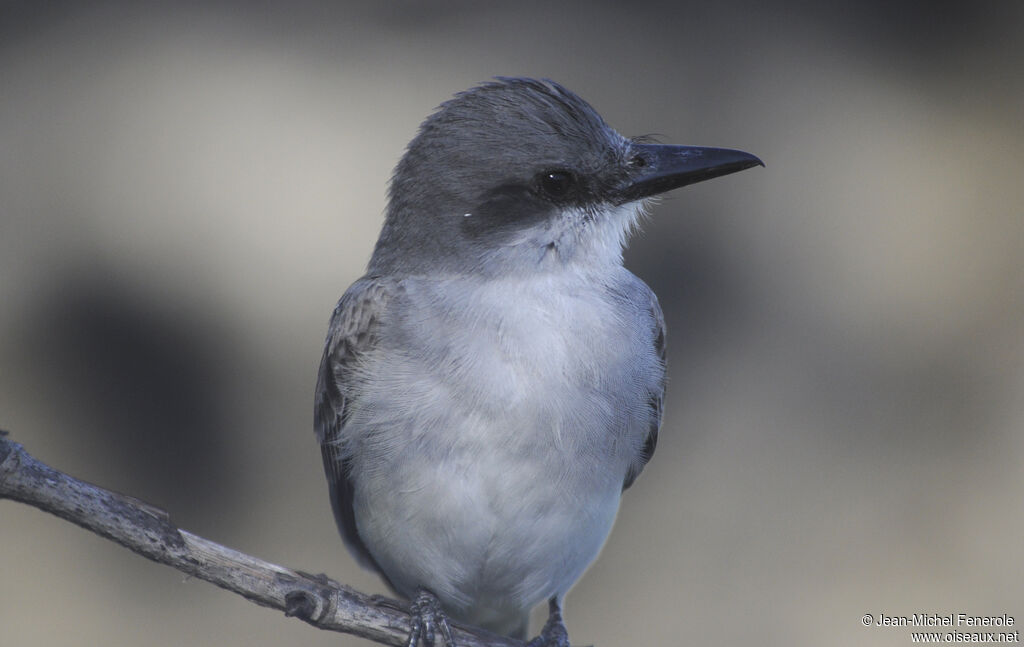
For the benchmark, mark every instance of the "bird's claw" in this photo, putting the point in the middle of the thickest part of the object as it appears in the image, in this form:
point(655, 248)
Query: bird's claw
point(554, 633)
point(427, 618)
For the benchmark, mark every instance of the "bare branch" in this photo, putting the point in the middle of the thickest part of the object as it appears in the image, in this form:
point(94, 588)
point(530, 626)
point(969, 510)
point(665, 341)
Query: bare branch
point(148, 531)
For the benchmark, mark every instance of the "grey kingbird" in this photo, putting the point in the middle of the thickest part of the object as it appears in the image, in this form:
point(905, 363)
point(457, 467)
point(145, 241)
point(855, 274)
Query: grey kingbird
point(495, 381)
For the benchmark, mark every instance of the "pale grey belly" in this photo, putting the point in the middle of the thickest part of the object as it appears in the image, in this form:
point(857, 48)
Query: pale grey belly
point(490, 535)
point(496, 481)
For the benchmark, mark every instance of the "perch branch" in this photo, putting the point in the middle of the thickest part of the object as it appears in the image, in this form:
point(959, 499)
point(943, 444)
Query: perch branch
point(148, 531)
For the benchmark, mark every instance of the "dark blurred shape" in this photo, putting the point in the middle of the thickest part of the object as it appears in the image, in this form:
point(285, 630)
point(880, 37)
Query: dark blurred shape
point(138, 376)
point(695, 276)
point(926, 33)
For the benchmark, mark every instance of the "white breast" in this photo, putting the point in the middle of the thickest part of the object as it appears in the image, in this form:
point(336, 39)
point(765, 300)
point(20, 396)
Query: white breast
point(496, 481)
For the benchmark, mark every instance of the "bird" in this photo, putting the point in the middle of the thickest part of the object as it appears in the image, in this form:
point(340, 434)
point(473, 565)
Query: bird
point(495, 381)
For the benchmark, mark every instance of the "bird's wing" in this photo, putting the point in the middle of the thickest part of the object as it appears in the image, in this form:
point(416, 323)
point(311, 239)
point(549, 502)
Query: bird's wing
point(656, 396)
point(353, 331)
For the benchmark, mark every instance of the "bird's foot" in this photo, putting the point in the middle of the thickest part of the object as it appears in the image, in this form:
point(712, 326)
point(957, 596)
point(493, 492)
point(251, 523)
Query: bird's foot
point(554, 633)
point(427, 619)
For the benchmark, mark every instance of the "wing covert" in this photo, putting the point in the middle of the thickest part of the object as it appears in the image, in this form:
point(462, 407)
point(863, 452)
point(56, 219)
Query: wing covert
point(656, 396)
point(353, 331)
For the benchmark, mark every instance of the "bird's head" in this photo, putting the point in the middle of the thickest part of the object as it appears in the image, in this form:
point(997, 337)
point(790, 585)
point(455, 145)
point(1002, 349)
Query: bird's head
point(520, 175)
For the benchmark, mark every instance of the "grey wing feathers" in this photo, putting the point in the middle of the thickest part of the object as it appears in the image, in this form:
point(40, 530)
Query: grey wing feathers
point(656, 397)
point(352, 332)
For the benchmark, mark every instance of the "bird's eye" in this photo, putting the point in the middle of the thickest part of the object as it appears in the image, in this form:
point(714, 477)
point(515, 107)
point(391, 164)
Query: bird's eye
point(638, 161)
point(556, 184)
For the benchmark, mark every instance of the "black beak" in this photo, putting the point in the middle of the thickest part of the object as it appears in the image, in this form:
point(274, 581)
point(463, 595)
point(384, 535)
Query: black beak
point(658, 168)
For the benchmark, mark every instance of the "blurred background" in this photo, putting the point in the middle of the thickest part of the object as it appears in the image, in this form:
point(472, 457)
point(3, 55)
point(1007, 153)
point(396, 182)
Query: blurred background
point(187, 188)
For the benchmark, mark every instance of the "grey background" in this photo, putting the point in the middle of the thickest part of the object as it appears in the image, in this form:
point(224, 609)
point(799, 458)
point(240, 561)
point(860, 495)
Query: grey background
point(186, 189)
